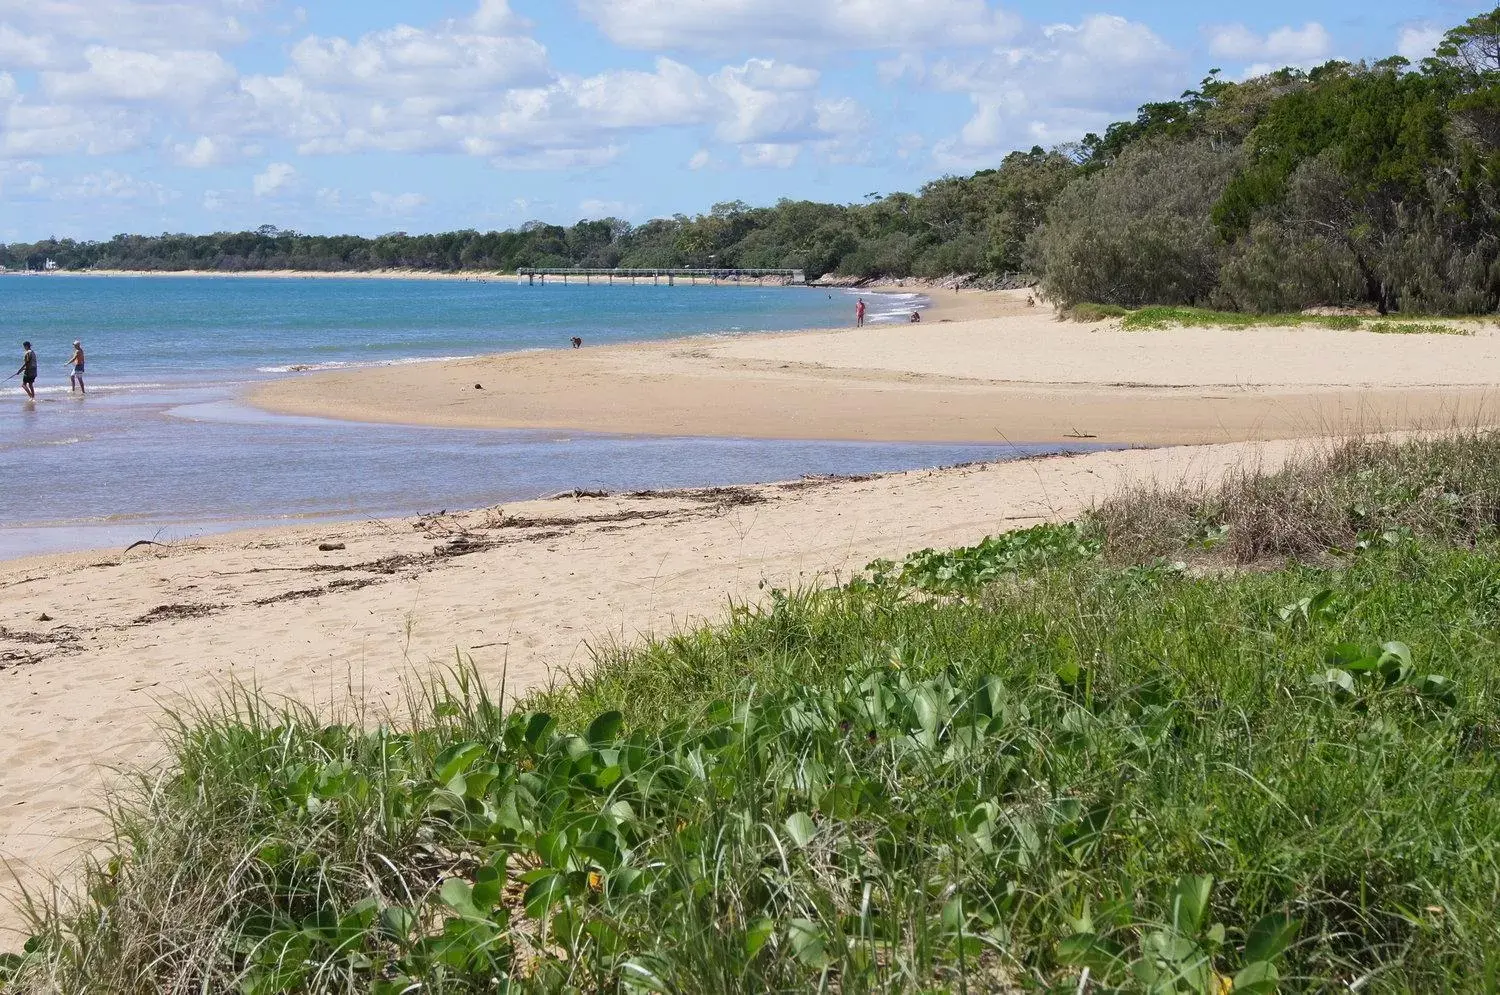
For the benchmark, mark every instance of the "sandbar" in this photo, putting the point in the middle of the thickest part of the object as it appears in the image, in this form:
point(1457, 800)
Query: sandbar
point(983, 367)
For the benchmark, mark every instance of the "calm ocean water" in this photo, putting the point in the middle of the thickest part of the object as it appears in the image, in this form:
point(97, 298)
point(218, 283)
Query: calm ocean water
point(161, 448)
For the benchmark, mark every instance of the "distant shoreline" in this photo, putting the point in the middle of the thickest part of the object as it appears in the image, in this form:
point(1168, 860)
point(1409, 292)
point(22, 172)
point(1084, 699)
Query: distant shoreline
point(464, 276)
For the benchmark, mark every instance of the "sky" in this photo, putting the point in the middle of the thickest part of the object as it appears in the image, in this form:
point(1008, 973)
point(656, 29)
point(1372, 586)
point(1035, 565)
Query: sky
point(370, 116)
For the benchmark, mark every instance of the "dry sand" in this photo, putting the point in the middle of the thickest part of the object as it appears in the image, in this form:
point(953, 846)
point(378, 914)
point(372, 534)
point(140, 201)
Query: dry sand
point(983, 368)
point(93, 645)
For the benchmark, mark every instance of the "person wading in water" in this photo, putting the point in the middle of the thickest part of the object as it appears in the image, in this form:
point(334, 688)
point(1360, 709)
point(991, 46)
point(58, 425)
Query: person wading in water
point(76, 380)
point(27, 372)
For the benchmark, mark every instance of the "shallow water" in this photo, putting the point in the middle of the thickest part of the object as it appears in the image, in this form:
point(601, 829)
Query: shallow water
point(161, 448)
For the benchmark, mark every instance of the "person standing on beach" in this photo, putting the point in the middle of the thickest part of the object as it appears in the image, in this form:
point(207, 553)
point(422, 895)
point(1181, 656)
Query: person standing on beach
point(76, 379)
point(859, 313)
point(27, 371)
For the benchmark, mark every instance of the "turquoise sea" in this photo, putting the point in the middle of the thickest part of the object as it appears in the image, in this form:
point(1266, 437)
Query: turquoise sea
point(162, 448)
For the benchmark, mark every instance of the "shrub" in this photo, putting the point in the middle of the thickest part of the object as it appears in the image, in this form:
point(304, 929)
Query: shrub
point(1138, 232)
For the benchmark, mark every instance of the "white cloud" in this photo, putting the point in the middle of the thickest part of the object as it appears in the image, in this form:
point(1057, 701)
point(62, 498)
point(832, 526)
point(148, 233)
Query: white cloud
point(1417, 41)
point(756, 112)
point(110, 184)
point(403, 60)
point(397, 91)
point(596, 210)
point(701, 159)
point(115, 74)
point(770, 155)
point(150, 24)
point(536, 158)
point(397, 204)
point(1068, 79)
point(21, 178)
point(24, 51)
point(728, 26)
point(1304, 46)
point(495, 17)
point(276, 177)
point(203, 152)
point(105, 185)
point(30, 129)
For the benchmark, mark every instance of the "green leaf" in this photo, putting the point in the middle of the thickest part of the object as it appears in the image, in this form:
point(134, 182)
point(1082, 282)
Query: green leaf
point(457, 895)
point(1269, 937)
point(1259, 978)
point(1102, 957)
point(539, 729)
point(1353, 658)
point(1190, 901)
point(625, 881)
point(398, 921)
point(808, 943)
point(925, 705)
point(606, 728)
point(553, 848)
point(1438, 688)
point(488, 882)
point(800, 828)
point(1334, 680)
point(1068, 672)
point(639, 974)
point(545, 892)
point(1395, 664)
point(455, 760)
point(757, 935)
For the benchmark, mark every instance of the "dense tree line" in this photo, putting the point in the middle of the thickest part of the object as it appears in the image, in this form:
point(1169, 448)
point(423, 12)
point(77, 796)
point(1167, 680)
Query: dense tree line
point(1368, 184)
point(977, 224)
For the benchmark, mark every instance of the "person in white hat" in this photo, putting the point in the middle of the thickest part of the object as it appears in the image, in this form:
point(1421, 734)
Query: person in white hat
point(77, 363)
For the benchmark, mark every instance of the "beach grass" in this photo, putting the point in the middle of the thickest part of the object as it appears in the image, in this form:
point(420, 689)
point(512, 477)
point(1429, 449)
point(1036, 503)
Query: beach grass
point(1159, 317)
point(1239, 739)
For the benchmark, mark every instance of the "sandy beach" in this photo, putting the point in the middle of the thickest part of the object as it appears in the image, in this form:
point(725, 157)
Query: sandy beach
point(983, 367)
point(95, 645)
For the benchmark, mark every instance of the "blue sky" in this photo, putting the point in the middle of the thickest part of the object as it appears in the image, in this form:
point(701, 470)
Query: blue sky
point(369, 116)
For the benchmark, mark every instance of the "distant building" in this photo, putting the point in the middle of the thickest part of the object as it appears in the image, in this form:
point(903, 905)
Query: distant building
point(50, 265)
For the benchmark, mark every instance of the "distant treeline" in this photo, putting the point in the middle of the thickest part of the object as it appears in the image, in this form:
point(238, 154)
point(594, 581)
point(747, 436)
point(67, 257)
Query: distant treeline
point(1370, 184)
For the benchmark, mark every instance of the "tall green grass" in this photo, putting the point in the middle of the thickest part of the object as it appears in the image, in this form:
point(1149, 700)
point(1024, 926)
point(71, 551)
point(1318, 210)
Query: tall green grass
point(1158, 317)
point(1043, 763)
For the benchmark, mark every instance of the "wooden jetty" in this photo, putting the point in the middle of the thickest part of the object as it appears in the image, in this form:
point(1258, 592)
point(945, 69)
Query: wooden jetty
point(785, 277)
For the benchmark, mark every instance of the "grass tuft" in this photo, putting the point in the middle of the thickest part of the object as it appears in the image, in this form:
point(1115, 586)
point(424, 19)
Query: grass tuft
point(1354, 494)
point(1160, 317)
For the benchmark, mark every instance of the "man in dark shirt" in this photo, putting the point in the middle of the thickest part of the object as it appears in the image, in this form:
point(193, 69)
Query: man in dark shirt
point(28, 371)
